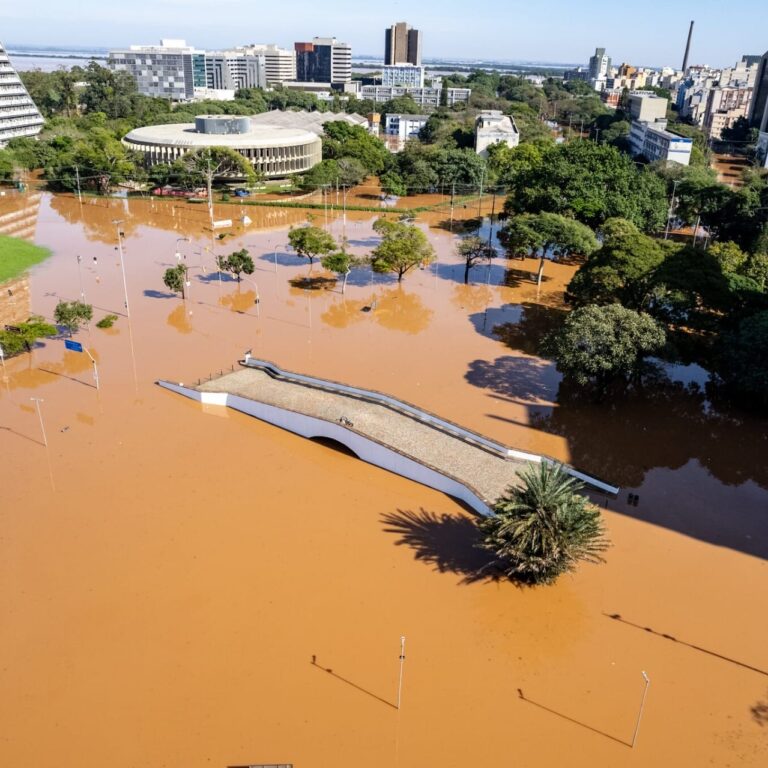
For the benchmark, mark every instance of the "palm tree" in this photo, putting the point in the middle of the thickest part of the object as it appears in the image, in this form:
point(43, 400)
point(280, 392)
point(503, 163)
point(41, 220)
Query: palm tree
point(544, 527)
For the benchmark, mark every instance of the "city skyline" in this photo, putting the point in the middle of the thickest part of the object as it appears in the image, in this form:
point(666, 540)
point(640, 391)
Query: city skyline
point(532, 35)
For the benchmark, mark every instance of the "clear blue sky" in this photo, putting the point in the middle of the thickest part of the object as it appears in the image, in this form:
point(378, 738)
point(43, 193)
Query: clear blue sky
point(651, 32)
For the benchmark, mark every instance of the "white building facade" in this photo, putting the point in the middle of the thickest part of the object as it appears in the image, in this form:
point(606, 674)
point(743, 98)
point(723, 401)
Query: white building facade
point(654, 142)
point(494, 127)
point(424, 97)
point(407, 75)
point(18, 114)
point(171, 70)
point(238, 68)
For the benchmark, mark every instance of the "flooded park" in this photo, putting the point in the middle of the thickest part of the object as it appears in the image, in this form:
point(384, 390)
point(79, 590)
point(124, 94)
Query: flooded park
point(183, 585)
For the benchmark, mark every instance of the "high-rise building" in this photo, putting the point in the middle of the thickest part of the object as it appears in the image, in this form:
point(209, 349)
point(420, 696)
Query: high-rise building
point(18, 114)
point(599, 68)
point(279, 63)
point(238, 68)
point(402, 45)
point(324, 60)
point(171, 70)
point(758, 116)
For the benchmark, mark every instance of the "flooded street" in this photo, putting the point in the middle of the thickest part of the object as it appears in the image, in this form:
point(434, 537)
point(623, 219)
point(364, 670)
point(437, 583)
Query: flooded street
point(182, 585)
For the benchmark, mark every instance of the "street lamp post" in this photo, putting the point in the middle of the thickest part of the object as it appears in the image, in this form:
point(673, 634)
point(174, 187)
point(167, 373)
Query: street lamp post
point(80, 276)
point(642, 706)
point(117, 223)
point(37, 401)
point(400, 681)
point(178, 252)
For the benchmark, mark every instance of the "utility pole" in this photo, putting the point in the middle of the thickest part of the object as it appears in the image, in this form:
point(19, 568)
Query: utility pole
point(480, 193)
point(117, 223)
point(597, 135)
point(453, 192)
point(490, 228)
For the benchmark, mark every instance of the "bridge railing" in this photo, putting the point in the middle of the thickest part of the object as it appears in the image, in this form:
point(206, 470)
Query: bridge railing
point(425, 417)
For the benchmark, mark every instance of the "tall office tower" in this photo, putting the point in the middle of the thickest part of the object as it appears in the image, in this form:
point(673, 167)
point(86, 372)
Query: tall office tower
point(171, 70)
point(599, 65)
point(402, 45)
point(280, 63)
point(324, 60)
point(758, 116)
point(238, 68)
point(18, 114)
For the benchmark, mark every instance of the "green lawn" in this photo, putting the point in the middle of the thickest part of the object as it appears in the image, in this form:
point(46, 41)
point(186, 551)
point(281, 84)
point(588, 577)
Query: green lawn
point(17, 255)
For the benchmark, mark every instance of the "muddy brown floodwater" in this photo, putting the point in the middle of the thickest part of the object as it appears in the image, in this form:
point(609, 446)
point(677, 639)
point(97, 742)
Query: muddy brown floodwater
point(186, 586)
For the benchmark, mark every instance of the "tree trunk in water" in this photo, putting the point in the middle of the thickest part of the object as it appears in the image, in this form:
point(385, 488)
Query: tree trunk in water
point(541, 271)
point(344, 284)
point(466, 272)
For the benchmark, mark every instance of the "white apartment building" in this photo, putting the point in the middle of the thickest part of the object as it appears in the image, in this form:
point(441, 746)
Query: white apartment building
point(654, 142)
point(18, 114)
point(407, 75)
point(424, 97)
point(725, 105)
point(171, 70)
point(238, 68)
point(494, 127)
point(279, 63)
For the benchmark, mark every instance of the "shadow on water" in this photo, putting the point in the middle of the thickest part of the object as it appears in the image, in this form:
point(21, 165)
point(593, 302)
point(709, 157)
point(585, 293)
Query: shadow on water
point(697, 470)
point(150, 293)
point(357, 687)
point(650, 630)
point(450, 544)
point(519, 379)
point(570, 719)
point(760, 712)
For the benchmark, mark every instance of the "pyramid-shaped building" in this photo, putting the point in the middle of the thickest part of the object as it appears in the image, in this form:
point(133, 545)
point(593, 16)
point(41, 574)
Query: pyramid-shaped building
point(18, 114)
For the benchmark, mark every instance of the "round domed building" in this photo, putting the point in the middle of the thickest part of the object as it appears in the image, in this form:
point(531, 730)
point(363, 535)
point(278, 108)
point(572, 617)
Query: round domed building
point(272, 150)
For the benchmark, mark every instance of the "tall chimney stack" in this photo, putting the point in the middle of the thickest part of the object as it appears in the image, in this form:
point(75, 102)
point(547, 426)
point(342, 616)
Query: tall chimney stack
point(687, 48)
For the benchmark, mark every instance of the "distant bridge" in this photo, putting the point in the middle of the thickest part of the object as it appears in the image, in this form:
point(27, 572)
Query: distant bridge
point(378, 429)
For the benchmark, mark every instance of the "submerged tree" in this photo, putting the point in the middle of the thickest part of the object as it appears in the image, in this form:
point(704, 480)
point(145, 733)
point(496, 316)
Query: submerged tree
point(597, 345)
point(311, 242)
point(402, 247)
point(544, 527)
point(175, 279)
point(72, 314)
point(237, 262)
point(474, 249)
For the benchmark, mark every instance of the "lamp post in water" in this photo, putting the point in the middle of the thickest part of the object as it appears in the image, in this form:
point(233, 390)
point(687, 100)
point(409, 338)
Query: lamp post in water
point(402, 659)
point(37, 401)
point(117, 223)
point(642, 706)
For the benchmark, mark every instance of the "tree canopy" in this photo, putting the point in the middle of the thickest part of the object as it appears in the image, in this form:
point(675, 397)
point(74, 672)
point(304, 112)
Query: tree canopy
point(403, 246)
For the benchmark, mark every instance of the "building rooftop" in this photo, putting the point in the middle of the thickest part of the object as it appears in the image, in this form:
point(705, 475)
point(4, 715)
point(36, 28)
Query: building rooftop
point(186, 135)
point(307, 121)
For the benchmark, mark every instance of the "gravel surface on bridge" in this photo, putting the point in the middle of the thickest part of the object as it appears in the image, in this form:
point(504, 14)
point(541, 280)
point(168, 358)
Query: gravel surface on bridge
point(487, 474)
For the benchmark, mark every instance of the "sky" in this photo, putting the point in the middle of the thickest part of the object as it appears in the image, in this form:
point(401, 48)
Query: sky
point(651, 33)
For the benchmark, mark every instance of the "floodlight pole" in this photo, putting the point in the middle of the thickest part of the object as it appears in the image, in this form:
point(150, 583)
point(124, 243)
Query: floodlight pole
point(400, 682)
point(642, 706)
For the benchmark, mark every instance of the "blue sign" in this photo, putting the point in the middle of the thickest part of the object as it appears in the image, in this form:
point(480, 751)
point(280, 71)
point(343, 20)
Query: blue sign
point(75, 346)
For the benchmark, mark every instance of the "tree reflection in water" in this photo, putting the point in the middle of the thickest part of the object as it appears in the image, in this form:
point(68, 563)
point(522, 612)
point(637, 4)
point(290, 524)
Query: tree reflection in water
point(179, 320)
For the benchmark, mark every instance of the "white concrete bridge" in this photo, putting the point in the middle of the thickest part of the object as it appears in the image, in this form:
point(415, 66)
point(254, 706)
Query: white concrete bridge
point(378, 429)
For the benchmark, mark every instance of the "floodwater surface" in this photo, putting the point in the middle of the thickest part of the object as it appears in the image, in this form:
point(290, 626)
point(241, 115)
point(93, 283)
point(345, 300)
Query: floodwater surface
point(184, 585)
